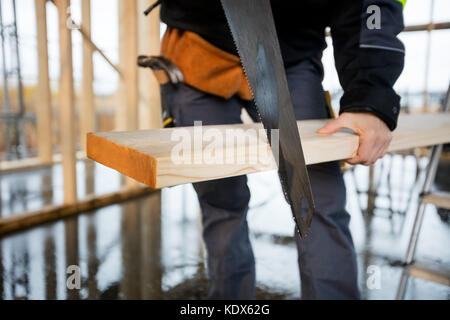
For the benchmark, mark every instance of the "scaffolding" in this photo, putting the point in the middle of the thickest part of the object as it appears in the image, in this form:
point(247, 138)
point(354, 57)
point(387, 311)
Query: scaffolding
point(15, 138)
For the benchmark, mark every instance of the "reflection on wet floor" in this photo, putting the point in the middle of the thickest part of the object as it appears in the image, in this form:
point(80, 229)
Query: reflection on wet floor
point(151, 248)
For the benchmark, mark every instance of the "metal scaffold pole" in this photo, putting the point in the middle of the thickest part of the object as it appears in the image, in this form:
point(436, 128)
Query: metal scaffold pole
point(5, 82)
point(418, 220)
point(9, 32)
point(20, 123)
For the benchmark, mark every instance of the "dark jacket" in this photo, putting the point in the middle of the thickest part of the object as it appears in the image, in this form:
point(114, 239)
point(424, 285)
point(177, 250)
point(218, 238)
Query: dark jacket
point(368, 61)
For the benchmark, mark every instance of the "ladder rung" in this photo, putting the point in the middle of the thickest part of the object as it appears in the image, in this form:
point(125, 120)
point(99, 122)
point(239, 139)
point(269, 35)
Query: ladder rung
point(439, 199)
point(430, 272)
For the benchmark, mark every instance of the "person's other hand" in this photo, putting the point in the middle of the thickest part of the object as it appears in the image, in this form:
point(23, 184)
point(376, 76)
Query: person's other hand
point(374, 135)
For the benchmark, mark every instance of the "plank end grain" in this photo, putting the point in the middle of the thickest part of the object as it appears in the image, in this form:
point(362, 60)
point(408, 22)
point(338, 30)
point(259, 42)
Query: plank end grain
point(128, 161)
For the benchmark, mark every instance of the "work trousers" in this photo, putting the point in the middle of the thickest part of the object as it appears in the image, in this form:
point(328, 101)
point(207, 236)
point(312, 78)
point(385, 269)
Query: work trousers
point(326, 257)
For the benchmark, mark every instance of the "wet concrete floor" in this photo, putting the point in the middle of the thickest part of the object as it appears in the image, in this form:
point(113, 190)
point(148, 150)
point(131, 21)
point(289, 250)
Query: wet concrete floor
point(151, 248)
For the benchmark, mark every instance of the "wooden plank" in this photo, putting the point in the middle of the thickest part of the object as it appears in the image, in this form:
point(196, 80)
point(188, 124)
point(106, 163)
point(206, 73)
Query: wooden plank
point(430, 272)
point(43, 103)
point(54, 212)
point(146, 155)
point(149, 44)
point(87, 111)
point(439, 199)
point(66, 104)
point(421, 130)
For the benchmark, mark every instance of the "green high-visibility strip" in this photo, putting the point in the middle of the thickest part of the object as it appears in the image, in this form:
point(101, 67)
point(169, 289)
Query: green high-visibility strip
point(403, 2)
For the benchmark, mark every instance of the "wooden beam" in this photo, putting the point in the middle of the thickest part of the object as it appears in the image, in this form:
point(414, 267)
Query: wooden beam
point(146, 155)
point(130, 230)
point(427, 61)
point(66, 104)
point(427, 27)
point(87, 111)
point(98, 50)
point(43, 103)
point(149, 44)
point(419, 27)
point(439, 199)
point(421, 130)
point(150, 224)
point(430, 272)
point(50, 213)
point(93, 45)
point(33, 163)
point(127, 109)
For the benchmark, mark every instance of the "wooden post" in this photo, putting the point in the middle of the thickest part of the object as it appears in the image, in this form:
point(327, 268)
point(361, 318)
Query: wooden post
point(150, 239)
point(371, 192)
point(427, 60)
point(66, 104)
point(72, 252)
point(2, 271)
point(130, 232)
point(50, 264)
point(150, 118)
point(149, 44)
point(43, 105)
point(87, 111)
point(127, 109)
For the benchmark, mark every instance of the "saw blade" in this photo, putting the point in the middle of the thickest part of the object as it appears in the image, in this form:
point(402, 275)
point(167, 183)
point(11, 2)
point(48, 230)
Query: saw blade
point(253, 30)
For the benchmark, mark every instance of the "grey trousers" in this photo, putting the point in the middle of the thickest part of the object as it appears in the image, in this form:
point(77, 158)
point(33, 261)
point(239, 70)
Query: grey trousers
point(326, 257)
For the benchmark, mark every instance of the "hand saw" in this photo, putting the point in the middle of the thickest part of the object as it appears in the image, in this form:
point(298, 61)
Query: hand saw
point(253, 29)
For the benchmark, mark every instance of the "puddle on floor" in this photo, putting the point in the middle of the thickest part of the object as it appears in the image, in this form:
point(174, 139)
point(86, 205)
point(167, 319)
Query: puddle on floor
point(151, 248)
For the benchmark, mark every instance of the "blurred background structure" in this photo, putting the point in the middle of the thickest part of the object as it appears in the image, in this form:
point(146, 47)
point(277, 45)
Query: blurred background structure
point(69, 68)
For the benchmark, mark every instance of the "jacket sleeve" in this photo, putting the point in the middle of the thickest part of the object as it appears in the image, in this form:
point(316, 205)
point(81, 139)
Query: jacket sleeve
point(368, 56)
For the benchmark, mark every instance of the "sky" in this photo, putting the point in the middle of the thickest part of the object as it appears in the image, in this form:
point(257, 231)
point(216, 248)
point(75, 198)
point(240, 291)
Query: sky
point(105, 35)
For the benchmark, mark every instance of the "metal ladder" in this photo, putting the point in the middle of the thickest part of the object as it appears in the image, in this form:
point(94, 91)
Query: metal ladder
point(420, 269)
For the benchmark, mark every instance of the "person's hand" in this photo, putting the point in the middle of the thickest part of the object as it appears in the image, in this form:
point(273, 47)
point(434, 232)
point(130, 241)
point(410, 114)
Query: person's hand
point(374, 135)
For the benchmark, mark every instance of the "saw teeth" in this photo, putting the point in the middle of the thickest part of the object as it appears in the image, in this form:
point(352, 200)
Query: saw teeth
point(283, 182)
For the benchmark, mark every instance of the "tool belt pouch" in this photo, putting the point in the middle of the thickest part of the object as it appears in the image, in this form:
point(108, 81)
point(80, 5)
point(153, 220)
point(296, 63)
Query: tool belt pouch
point(204, 66)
